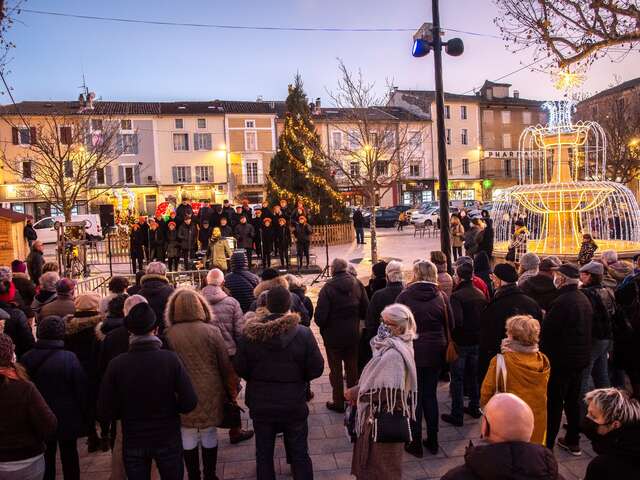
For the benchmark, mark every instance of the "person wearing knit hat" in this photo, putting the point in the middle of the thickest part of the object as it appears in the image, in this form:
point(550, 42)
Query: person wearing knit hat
point(529, 263)
point(26, 290)
point(540, 287)
point(26, 420)
point(64, 303)
point(378, 278)
point(269, 274)
point(190, 333)
point(278, 300)
point(303, 233)
point(62, 382)
point(18, 266)
point(173, 246)
point(271, 278)
point(505, 273)
point(148, 389)
point(15, 320)
point(240, 281)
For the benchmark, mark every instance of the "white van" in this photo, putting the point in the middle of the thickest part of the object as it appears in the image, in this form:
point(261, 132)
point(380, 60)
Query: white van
point(47, 234)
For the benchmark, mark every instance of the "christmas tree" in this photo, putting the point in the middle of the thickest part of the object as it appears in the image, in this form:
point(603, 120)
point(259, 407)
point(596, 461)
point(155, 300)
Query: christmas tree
point(297, 172)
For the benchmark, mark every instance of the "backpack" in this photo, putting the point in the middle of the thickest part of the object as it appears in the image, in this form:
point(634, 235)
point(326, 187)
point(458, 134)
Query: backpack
point(603, 315)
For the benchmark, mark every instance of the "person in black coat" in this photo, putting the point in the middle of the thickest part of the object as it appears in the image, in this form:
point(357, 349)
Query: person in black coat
point(204, 234)
point(565, 339)
point(26, 290)
point(303, 233)
point(244, 234)
point(184, 210)
point(62, 382)
point(486, 241)
point(283, 242)
point(173, 247)
point(278, 358)
point(225, 229)
point(156, 242)
point(227, 210)
point(482, 270)
point(155, 287)
point(508, 300)
point(378, 278)
point(16, 325)
point(205, 213)
point(216, 215)
point(246, 210)
point(271, 279)
point(358, 225)
point(235, 218)
point(256, 221)
point(188, 237)
point(137, 244)
point(29, 232)
point(467, 303)
point(540, 287)
point(268, 236)
point(342, 304)
point(147, 388)
point(35, 261)
point(241, 282)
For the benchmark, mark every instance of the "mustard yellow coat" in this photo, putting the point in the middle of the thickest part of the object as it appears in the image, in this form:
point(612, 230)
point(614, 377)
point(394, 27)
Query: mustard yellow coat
point(527, 377)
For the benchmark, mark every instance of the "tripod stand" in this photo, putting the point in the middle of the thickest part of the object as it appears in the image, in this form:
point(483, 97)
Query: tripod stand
point(324, 274)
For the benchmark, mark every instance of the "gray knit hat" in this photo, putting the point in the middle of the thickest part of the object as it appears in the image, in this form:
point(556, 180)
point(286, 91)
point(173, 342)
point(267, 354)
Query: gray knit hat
point(51, 328)
point(529, 261)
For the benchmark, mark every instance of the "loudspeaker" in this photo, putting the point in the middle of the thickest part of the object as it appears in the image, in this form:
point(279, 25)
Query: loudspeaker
point(107, 219)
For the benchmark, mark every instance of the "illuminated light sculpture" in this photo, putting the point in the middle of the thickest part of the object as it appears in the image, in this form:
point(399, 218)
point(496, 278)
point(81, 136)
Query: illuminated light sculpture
point(563, 194)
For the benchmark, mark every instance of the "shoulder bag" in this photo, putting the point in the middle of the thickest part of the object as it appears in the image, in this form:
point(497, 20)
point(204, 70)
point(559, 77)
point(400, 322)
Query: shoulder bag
point(451, 354)
point(501, 374)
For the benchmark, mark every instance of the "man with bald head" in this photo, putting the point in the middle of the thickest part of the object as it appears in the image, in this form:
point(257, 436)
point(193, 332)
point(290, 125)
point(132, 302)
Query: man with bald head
point(506, 453)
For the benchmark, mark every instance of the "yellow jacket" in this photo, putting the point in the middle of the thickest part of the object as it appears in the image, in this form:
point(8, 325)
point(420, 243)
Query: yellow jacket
point(527, 377)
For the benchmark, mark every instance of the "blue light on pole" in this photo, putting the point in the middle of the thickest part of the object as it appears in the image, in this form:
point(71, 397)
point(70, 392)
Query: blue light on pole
point(420, 48)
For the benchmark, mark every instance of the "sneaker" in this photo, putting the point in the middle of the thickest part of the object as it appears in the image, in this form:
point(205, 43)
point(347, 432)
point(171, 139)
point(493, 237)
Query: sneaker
point(572, 449)
point(335, 408)
point(414, 448)
point(474, 413)
point(451, 419)
point(241, 436)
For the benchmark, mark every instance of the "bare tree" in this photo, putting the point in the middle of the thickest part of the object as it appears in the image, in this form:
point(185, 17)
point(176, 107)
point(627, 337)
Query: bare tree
point(377, 148)
point(64, 157)
point(570, 31)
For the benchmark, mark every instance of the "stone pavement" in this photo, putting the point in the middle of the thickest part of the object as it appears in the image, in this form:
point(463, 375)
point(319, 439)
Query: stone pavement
point(328, 445)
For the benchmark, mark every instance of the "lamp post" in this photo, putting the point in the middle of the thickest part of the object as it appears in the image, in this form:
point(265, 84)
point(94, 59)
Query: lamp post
point(426, 38)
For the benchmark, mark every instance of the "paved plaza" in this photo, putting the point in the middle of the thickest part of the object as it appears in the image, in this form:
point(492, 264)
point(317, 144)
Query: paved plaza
point(330, 450)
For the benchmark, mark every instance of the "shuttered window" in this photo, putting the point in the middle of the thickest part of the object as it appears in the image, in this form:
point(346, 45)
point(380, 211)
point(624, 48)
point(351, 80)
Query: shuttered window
point(204, 173)
point(181, 174)
point(65, 135)
point(202, 141)
point(180, 142)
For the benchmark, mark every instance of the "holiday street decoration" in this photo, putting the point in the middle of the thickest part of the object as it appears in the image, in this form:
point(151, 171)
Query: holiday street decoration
point(563, 192)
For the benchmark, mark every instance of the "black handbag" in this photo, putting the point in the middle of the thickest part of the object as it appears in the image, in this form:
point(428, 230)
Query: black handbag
point(231, 415)
point(391, 427)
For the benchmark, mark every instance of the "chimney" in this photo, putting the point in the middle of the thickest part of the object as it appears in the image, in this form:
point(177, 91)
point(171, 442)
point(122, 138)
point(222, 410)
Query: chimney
point(90, 97)
point(81, 101)
point(259, 99)
point(516, 94)
point(318, 104)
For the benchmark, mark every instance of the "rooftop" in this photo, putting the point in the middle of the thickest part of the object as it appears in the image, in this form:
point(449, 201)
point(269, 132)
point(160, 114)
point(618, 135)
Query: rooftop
point(628, 85)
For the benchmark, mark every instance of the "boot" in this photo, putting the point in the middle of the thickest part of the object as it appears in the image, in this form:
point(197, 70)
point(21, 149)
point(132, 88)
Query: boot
point(431, 443)
point(192, 462)
point(209, 461)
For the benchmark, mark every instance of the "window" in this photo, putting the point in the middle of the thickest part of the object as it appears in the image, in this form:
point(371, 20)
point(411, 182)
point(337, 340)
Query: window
point(507, 167)
point(464, 136)
point(381, 168)
point(447, 112)
point(204, 173)
point(389, 141)
point(463, 112)
point(202, 141)
point(450, 165)
point(129, 175)
point(125, 125)
point(101, 178)
point(250, 141)
point(354, 169)
point(26, 170)
point(414, 170)
point(526, 117)
point(181, 174)
point(487, 116)
point(65, 135)
point(251, 173)
point(506, 141)
point(415, 139)
point(96, 124)
point(336, 140)
point(179, 123)
point(202, 123)
point(354, 140)
point(180, 142)
point(465, 166)
point(249, 124)
point(128, 143)
point(448, 136)
point(23, 136)
point(373, 139)
point(506, 116)
point(68, 169)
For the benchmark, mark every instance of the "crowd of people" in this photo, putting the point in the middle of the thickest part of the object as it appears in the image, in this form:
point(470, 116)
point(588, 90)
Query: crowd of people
point(268, 231)
point(152, 373)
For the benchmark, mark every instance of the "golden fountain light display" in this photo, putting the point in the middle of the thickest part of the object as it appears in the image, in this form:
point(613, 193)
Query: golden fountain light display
point(562, 191)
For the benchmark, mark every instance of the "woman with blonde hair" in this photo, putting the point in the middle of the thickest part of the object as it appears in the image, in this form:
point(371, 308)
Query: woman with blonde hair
point(521, 369)
point(388, 384)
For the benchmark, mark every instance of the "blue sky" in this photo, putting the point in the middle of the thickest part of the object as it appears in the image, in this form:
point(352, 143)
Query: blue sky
point(146, 62)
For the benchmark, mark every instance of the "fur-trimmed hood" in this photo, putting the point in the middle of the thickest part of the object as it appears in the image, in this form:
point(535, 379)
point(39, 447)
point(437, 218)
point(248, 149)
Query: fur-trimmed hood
point(187, 305)
point(106, 326)
point(263, 327)
point(266, 285)
point(81, 321)
point(154, 277)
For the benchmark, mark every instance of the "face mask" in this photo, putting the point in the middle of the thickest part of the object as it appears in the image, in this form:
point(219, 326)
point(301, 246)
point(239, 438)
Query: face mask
point(589, 428)
point(383, 331)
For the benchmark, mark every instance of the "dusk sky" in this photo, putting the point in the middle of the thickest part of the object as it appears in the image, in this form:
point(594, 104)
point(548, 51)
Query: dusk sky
point(148, 62)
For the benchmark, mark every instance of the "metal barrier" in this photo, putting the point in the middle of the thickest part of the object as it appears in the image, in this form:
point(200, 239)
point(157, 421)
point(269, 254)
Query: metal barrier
point(93, 284)
point(337, 234)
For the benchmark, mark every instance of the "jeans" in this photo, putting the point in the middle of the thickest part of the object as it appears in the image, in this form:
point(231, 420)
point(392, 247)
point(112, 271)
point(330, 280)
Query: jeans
point(137, 462)
point(466, 366)
point(191, 437)
point(359, 235)
point(295, 443)
point(563, 393)
point(335, 358)
point(33, 471)
point(68, 458)
point(597, 369)
point(427, 402)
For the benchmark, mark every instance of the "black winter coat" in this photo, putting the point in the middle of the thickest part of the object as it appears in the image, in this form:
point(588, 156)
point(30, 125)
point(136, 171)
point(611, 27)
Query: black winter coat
point(27, 291)
point(147, 388)
point(358, 219)
point(342, 303)
point(506, 461)
point(17, 327)
point(566, 331)
point(303, 233)
point(467, 304)
point(204, 214)
point(268, 235)
point(241, 282)
point(113, 344)
point(80, 338)
point(244, 234)
point(541, 289)
point(204, 236)
point(62, 382)
point(618, 454)
point(428, 304)
point(379, 300)
point(157, 290)
point(603, 304)
point(188, 236)
point(278, 358)
point(182, 210)
point(306, 301)
point(173, 244)
point(156, 238)
point(35, 262)
point(283, 237)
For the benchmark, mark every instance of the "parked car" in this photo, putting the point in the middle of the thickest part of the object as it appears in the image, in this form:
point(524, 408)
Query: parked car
point(384, 218)
point(426, 214)
point(47, 233)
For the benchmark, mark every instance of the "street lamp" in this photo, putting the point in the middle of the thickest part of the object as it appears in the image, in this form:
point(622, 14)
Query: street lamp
point(428, 38)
